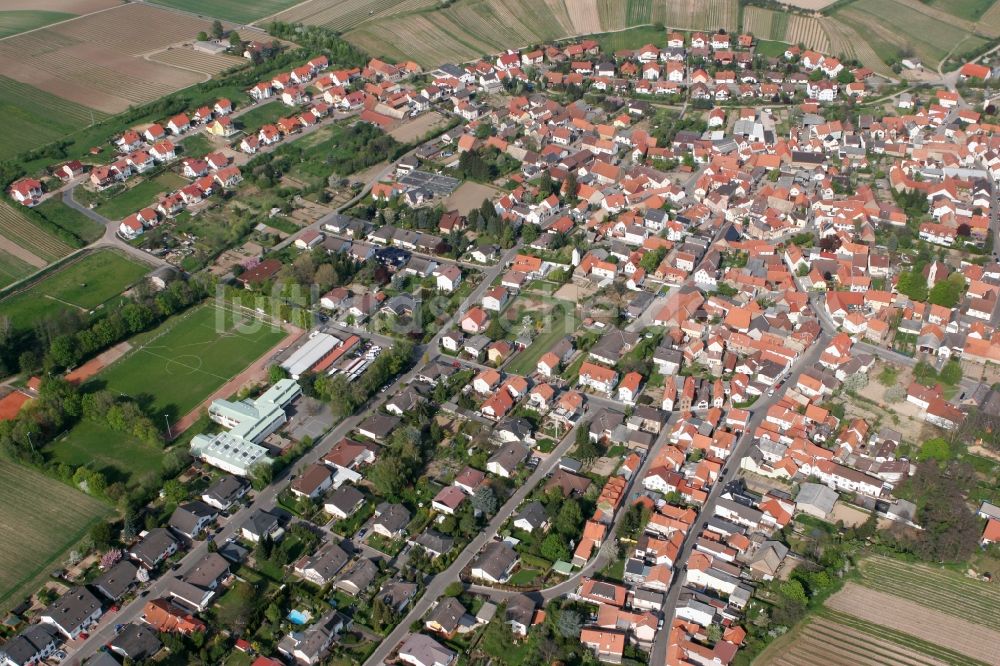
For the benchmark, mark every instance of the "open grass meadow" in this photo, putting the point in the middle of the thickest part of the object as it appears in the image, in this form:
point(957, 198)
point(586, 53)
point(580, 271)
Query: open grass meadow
point(137, 197)
point(82, 284)
point(69, 219)
point(17, 21)
point(33, 118)
point(631, 39)
point(238, 11)
point(174, 367)
point(42, 519)
point(118, 456)
point(261, 115)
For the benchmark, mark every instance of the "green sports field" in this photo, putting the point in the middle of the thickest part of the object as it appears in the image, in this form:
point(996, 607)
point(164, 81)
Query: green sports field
point(42, 519)
point(83, 284)
point(174, 367)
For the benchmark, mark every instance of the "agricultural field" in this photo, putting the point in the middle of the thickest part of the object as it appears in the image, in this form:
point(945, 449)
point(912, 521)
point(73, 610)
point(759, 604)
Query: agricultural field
point(82, 284)
point(932, 624)
point(631, 39)
point(20, 236)
point(33, 117)
point(776, 26)
point(18, 21)
point(48, 518)
point(703, 14)
point(416, 30)
point(119, 456)
point(842, 639)
point(97, 60)
point(935, 588)
point(237, 11)
point(342, 15)
point(185, 57)
point(894, 27)
point(174, 367)
point(13, 269)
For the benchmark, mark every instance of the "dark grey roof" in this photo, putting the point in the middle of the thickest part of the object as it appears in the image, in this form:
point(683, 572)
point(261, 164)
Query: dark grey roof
point(208, 571)
point(226, 490)
point(345, 498)
point(392, 517)
point(71, 609)
point(24, 647)
point(260, 522)
point(535, 514)
point(185, 517)
point(447, 614)
point(434, 542)
point(136, 642)
point(116, 581)
point(152, 545)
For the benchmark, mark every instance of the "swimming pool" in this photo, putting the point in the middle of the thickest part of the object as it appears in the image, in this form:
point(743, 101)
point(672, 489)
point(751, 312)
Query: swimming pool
point(296, 616)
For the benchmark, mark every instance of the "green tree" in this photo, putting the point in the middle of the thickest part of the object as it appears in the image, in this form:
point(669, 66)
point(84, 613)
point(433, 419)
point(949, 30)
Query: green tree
point(235, 41)
point(569, 519)
point(951, 373)
point(554, 548)
point(217, 30)
point(936, 448)
point(569, 623)
point(102, 534)
point(948, 292)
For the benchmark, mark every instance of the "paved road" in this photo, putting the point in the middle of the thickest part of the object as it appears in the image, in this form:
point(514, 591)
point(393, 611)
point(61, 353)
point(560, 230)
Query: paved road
point(658, 654)
point(266, 498)
point(435, 588)
point(110, 237)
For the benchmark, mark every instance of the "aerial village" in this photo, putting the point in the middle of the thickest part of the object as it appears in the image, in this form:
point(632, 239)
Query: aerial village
point(660, 336)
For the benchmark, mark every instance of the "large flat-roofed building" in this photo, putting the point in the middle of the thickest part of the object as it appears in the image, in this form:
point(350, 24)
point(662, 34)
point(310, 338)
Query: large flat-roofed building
point(309, 354)
point(249, 421)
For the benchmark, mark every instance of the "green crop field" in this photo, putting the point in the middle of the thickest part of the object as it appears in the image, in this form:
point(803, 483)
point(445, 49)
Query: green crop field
point(13, 269)
point(17, 21)
point(639, 12)
point(631, 39)
point(83, 284)
point(33, 118)
point(137, 197)
point(971, 10)
point(892, 28)
point(943, 590)
point(238, 11)
point(42, 520)
point(73, 221)
point(177, 365)
point(118, 456)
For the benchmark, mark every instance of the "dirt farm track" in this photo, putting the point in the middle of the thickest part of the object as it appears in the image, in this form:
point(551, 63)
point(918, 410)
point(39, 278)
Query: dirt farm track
point(99, 60)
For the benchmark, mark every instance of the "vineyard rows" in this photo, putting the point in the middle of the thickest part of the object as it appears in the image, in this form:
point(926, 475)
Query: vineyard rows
point(19, 230)
point(133, 28)
point(186, 58)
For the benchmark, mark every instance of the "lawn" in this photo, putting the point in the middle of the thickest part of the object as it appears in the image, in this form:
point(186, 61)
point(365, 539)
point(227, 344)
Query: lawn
point(197, 145)
point(261, 115)
point(42, 519)
point(33, 118)
point(771, 49)
point(82, 284)
point(117, 455)
point(73, 221)
point(633, 38)
point(174, 367)
point(238, 11)
point(525, 362)
point(17, 21)
point(524, 577)
point(134, 198)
